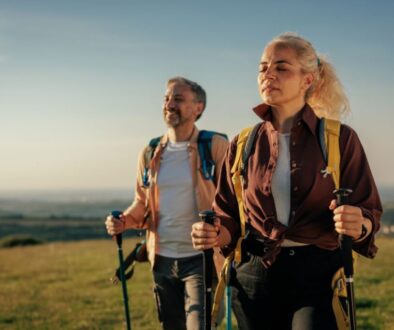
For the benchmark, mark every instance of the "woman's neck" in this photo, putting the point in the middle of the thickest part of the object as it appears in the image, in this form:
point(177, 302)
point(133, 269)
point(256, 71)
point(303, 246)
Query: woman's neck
point(283, 117)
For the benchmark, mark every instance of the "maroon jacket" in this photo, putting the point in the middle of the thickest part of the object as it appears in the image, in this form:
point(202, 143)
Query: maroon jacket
point(311, 221)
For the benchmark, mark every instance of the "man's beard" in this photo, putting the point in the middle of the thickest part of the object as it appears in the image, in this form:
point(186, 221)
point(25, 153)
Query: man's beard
point(172, 118)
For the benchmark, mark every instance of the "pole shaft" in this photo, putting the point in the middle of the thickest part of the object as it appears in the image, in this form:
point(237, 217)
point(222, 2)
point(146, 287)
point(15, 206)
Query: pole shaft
point(124, 288)
point(118, 237)
point(351, 307)
point(346, 243)
point(208, 217)
point(208, 270)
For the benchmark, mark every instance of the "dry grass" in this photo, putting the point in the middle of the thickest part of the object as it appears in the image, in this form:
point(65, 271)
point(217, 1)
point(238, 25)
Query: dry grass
point(66, 286)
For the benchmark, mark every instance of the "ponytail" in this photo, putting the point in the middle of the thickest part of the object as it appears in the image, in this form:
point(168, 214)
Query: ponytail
point(326, 95)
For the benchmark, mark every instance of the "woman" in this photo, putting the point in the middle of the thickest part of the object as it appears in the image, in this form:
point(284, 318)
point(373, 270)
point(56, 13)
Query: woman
point(291, 251)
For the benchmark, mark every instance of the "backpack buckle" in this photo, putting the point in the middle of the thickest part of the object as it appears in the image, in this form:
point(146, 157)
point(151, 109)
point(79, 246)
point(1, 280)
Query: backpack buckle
point(208, 169)
point(145, 178)
point(326, 172)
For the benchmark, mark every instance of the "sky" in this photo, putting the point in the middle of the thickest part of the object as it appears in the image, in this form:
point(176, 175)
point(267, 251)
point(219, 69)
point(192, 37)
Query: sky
point(82, 81)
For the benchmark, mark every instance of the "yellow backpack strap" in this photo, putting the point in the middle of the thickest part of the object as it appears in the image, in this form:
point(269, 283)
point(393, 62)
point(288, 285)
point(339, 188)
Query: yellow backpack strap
point(219, 292)
point(330, 147)
point(244, 143)
point(237, 177)
point(330, 129)
point(339, 302)
point(329, 141)
point(339, 296)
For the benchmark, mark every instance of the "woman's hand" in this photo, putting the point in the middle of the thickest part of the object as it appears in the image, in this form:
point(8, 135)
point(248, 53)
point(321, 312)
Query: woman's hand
point(349, 221)
point(205, 236)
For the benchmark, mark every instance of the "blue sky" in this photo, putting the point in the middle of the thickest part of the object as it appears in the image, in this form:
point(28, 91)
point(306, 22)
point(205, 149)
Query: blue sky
point(82, 82)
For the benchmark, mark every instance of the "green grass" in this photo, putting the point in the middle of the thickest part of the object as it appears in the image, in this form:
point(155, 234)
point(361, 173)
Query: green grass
point(56, 228)
point(374, 288)
point(66, 286)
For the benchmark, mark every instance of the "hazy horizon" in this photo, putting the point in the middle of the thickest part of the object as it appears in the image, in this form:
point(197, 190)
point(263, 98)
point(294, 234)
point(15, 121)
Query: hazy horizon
point(69, 194)
point(107, 194)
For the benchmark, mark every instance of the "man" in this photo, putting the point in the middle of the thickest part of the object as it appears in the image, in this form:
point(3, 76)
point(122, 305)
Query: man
point(177, 184)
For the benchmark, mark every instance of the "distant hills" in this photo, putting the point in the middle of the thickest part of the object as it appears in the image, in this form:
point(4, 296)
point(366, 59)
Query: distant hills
point(60, 216)
point(64, 203)
point(68, 195)
point(11, 208)
point(94, 205)
point(386, 194)
point(101, 195)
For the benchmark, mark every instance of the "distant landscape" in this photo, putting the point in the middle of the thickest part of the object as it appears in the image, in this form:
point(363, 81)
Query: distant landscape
point(79, 215)
point(60, 216)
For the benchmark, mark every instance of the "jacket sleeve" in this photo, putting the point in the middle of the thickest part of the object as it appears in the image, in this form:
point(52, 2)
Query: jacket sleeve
point(356, 175)
point(135, 213)
point(225, 203)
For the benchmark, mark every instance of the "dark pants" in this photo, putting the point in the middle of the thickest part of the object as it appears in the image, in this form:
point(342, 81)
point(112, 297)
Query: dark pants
point(179, 290)
point(294, 293)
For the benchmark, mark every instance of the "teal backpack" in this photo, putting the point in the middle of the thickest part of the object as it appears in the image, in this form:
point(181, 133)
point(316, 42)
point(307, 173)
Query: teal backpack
point(204, 142)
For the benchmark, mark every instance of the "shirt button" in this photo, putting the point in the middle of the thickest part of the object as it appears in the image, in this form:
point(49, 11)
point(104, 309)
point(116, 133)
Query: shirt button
point(295, 188)
point(299, 123)
point(293, 164)
point(293, 143)
point(293, 213)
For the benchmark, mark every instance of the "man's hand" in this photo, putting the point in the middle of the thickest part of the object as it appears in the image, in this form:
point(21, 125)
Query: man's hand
point(115, 226)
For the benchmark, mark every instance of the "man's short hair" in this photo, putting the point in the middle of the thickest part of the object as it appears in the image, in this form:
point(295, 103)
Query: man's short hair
point(199, 92)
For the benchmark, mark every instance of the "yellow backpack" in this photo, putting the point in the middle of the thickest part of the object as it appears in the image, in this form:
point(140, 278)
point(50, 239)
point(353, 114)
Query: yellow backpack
point(329, 131)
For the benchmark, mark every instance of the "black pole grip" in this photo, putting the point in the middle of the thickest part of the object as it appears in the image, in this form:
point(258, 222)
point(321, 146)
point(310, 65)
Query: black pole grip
point(117, 215)
point(207, 216)
point(345, 241)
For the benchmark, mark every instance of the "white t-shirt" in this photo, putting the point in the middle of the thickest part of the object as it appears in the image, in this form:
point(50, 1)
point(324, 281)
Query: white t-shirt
point(281, 180)
point(281, 185)
point(177, 202)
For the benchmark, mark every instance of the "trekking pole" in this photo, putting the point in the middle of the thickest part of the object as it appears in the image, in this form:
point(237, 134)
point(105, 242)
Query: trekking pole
point(208, 217)
point(117, 215)
point(345, 242)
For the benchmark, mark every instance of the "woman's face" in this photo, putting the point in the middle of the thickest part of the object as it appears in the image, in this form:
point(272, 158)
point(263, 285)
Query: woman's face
point(280, 79)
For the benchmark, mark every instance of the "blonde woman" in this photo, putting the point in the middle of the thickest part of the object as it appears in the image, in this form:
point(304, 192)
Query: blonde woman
point(291, 251)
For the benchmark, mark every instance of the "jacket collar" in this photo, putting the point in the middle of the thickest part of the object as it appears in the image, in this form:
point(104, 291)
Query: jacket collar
point(305, 115)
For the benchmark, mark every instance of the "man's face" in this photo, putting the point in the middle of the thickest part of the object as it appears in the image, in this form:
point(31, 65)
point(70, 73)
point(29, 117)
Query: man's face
point(180, 106)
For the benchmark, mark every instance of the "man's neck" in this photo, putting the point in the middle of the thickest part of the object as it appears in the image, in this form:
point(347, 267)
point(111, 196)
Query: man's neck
point(181, 134)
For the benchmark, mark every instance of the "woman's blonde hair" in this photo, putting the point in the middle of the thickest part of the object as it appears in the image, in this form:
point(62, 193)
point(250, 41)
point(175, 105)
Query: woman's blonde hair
point(326, 95)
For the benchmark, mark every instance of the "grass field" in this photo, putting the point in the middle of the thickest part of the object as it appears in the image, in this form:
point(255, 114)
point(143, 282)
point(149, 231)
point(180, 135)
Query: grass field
point(66, 286)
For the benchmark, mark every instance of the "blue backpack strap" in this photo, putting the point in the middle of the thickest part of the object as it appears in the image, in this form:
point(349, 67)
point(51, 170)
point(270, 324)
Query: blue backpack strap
point(150, 151)
point(322, 140)
point(204, 143)
point(248, 148)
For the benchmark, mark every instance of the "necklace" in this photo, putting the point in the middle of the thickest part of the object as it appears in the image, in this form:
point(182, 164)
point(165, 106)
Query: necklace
point(191, 134)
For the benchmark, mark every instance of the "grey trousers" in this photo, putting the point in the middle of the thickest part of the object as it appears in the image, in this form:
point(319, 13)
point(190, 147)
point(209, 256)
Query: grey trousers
point(179, 292)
